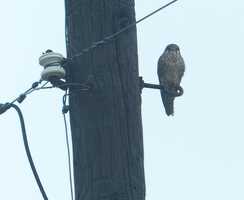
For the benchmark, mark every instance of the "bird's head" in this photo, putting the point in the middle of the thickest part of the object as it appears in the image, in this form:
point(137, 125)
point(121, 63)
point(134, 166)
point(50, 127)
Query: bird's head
point(172, 48)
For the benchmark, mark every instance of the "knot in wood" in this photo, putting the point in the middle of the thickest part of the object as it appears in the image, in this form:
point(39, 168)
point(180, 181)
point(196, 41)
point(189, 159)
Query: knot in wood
point(122, 19)
point(93, 88)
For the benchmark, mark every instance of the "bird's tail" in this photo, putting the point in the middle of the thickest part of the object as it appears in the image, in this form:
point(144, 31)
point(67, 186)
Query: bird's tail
point(168, 100)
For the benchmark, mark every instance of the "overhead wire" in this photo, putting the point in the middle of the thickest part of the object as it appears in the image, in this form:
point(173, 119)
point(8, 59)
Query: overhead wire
point(106, 39)
point(4, 107)
point(22, 96)
point(28, 151)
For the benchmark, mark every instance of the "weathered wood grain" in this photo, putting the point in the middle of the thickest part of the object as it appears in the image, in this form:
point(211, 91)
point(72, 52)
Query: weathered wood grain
point(105, 121)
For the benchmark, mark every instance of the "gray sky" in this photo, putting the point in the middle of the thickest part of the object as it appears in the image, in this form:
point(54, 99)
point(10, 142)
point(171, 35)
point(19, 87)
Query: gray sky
point(197, 154)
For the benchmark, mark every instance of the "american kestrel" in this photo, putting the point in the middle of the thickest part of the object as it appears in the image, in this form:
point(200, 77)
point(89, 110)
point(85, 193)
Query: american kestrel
point(171, 68)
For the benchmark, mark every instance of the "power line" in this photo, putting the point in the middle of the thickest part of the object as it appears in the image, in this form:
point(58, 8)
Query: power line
point(28, 151)
point(4, 107)
point(106, 39)
point(20, 99)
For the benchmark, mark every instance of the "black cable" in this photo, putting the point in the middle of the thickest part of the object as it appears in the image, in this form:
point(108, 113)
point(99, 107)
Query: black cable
point(4, 107)
point(28, 150)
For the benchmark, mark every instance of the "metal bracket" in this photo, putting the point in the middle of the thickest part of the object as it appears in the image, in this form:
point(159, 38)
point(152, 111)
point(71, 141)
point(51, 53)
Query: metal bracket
point(179, 89)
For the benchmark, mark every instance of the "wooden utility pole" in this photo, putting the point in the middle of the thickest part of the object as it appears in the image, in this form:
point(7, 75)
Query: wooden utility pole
point(105, 120)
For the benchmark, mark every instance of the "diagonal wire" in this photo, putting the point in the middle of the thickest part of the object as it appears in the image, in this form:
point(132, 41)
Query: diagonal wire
point(106, 39)
point(30, 90)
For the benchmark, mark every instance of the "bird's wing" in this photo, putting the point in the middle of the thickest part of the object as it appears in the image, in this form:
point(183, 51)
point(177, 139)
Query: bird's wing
point(162, 68)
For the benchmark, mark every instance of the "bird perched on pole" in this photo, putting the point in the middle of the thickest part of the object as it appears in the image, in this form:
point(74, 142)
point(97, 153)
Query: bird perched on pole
point(171, 68)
